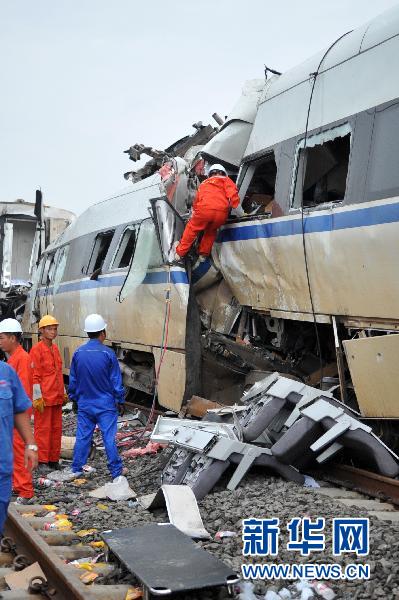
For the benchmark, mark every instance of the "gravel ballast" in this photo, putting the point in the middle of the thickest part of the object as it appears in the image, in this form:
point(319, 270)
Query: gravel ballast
point(259, 495)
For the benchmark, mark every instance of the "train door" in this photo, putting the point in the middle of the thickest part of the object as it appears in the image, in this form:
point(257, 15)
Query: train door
point(169, 227)
point(153, 305)
point(54, 277)
point(46, 305)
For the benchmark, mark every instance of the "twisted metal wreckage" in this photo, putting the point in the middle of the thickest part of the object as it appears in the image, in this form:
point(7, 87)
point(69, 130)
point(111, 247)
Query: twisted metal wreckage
point(282, 425)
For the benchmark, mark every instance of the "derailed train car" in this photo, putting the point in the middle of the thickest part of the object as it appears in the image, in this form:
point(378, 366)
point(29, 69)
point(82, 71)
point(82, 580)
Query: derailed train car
point(320, 174)
point(306, 266)
point(25, 230)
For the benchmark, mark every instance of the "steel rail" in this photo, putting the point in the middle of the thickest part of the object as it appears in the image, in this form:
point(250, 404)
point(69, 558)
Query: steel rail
point(365, 481)
point(59, 575)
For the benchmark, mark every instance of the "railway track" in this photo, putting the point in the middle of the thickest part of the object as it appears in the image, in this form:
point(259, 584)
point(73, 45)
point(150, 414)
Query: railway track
point(28, 542)
point(365, 482)
point(31, 539)
point(361, 489)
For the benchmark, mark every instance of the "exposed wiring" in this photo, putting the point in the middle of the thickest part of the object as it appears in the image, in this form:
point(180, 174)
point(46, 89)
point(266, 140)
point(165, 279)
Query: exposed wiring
point(314, 76)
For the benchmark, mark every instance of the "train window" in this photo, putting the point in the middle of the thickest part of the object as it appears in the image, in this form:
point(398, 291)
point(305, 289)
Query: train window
point(101, 246)
point(125, 249)
point(49, 261)
point(147, 255)
point(383, 175)
point(321, 169)
point(51, 270)
point(60, 269)
point(258, 186)
point(155, 259)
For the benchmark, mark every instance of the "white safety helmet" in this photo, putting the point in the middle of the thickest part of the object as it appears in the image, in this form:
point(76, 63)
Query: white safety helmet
point(10, 326)
point(217, 168)
point(94, 323)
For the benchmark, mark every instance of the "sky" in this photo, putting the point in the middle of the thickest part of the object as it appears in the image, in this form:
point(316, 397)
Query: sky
point(81, 81)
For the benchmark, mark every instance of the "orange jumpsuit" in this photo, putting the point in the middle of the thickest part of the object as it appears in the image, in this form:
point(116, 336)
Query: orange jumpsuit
point(47, 372)
point(215, 196)
point(22, 478)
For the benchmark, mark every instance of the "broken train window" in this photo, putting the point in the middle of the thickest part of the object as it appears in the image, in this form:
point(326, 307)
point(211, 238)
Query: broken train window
point(258, 186)
point(100, 250)
point(147, 256)
point(321, 169)
point(125, 250)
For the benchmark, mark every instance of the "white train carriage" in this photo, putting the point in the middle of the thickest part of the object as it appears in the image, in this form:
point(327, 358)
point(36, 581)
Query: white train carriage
point(109, 262)
point(321, 172)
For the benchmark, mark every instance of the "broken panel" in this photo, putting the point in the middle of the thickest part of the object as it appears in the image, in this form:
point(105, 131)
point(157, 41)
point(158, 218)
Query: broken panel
point(373, 365)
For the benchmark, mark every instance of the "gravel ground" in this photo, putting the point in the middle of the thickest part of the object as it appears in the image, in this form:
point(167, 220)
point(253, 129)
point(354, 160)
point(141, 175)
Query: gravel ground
point(260, 496)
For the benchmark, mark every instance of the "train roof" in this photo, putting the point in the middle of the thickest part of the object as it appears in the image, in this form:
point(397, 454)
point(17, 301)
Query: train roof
point(22, 208)
point(128, 205)
point(357, 73)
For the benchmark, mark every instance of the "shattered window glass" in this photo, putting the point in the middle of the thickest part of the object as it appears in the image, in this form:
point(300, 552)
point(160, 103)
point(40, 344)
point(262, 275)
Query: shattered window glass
point(147, 255)
point(321, 169)
point(258, 188)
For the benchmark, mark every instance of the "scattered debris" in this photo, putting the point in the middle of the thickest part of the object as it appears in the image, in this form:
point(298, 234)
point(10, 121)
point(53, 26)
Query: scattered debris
point(182, 507)
point(220, 535)
point(118, 489)
point(88, 577)
point(134, 593)
point(150, 448)
point(283, 424)
point(46, 482)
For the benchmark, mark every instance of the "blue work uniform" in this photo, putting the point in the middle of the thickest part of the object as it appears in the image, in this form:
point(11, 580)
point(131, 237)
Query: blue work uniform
point(95, 384)
point(13, 400)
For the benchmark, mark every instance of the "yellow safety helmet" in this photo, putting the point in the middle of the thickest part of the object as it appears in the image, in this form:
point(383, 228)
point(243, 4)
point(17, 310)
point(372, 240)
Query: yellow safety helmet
point(47, 320)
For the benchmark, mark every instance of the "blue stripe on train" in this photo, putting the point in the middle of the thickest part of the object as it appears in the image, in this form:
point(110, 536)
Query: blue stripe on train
point(361, 217)
point(200, 270)
point(153, 277)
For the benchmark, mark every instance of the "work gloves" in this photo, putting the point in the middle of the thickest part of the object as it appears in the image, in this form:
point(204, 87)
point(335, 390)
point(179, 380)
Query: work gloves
point(38, 400)
point(121, 408)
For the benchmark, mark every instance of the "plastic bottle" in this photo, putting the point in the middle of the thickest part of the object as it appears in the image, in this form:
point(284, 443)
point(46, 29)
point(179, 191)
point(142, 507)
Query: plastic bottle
point(44, 482)
point(60, 525)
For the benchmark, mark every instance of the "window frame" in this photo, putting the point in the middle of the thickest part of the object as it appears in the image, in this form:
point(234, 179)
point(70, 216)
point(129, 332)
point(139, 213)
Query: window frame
point(60, 251)
point(89, 269)
point(325, 136)
point(132, 227)
point(47, 263)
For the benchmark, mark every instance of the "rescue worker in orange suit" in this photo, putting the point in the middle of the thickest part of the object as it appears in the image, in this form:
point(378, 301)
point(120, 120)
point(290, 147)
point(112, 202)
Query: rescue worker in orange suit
point(18, 359)
point(215, 197)
point(48, 393)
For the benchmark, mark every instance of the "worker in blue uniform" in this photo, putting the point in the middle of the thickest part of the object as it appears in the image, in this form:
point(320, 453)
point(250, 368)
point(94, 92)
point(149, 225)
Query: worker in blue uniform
point(14, 406)
point(95, 384)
